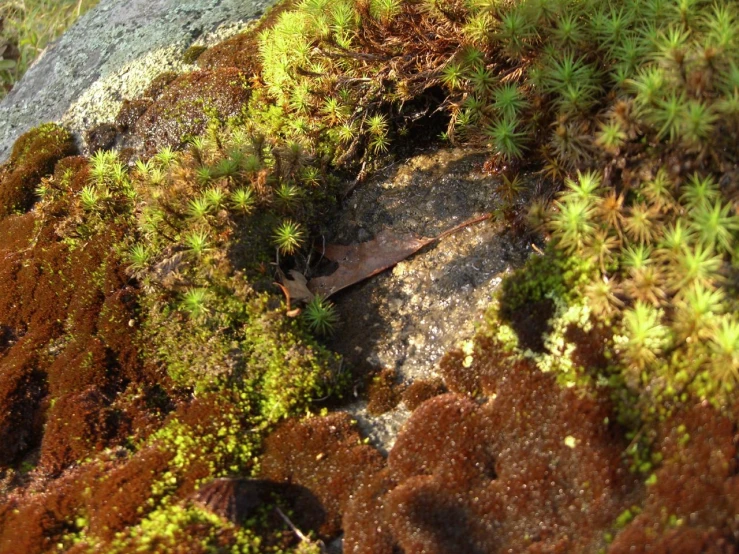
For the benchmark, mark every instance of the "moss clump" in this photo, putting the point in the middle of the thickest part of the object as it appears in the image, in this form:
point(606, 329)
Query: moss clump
point(187, 103)
point(465, 475)
point(325, 459)
point(33, 157)
point(384, 392)
point(193, 53)
point(421, 390)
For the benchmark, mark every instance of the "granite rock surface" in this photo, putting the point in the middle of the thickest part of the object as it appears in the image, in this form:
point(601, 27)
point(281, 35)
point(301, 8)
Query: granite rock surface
point(112, 53)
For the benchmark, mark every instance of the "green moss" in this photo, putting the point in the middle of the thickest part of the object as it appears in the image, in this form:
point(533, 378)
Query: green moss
point(193, 53)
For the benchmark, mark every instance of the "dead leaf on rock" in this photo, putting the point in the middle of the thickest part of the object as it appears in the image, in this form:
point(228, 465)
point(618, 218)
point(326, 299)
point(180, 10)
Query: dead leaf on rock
point(360, 261)
point(294, 289)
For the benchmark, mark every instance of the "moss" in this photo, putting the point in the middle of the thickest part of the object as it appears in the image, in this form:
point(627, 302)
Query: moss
point(325, 456)
point(384, 393)
point(180, 111)
point(101, 137)
point(489, 476)
point(193, 53)
point(421, 390)
point(77, 426)
point(33, 157)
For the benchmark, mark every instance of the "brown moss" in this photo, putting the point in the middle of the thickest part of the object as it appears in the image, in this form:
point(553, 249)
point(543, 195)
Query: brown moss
point(458, 378)
point(590, 347)
point(326, 456)
point(180, 110)
point(420, 391)
point(384, 392)
point(130, 112)
point(238, 51)
point(119, 499)
point(77, 425)
point(366, 528)
point(22, 388)
point(101, 137)
point(696, 485)
point(66, 311)
point(33, 521)
point(33, 157)
point(514, 474)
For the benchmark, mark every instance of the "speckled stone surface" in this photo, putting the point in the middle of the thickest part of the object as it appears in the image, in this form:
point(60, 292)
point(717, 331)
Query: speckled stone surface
point(112, 53)
point(409, 316)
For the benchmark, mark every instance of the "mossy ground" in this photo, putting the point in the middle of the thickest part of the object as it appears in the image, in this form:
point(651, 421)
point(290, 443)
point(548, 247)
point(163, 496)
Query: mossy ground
point(155, 385)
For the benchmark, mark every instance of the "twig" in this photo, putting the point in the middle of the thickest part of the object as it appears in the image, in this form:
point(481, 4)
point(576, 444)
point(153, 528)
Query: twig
point(356, 181)
point(298, 532)
point(464, 224)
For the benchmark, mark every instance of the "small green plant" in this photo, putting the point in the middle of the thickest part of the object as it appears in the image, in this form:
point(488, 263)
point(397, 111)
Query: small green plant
point(242, 200)
point(197, 242)
point(321, 316)
point(198, 208)
point(194, 302)
point(139, 257)
point(507, 139)
point(288, 237)
point(89, 198)
point(215, 197)
point(287, 196)
point(166, 156)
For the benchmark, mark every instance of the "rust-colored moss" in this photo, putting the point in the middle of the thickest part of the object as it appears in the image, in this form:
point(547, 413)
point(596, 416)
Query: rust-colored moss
point(420, 391)
point(119, 499)
point(590, 347)
point(457, 377)
point(159, 84)
point(239, 51)
point(538, 469)
point(384, 392)
point(77, 425)
point(366, 529)
point(324, 455)
point(66, 312)
point(131, 111)
point(22, 388)
point(33, 521)
point(696, 485)
point(33, 157)
point(180, 110)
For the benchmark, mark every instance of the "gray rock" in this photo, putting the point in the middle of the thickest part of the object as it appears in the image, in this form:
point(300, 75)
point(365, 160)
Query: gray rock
point(409, 316)
point(112, 53)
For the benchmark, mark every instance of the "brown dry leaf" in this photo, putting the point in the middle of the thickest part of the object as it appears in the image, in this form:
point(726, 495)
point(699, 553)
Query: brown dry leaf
point(360, 261)
point(294, 289)
point(297, 284)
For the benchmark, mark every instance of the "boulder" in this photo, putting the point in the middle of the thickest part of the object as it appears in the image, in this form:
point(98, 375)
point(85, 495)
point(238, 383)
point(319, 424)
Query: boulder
point(112, 53)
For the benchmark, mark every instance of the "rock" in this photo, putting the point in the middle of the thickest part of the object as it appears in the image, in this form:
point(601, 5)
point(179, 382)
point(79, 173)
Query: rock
point(112, 53)
point(408, 317)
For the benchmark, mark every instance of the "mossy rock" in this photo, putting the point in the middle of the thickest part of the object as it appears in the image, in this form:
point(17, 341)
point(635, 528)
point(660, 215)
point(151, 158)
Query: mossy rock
point(34, 156)
point(184, 107)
